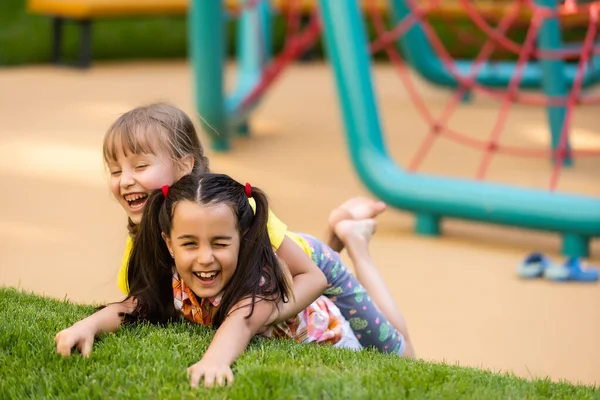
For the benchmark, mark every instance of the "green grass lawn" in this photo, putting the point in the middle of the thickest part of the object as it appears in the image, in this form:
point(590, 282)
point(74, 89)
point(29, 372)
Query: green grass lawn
point(148, 362)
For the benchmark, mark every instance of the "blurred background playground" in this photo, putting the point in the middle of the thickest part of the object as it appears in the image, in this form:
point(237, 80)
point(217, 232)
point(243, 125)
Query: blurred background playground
point(483, 160)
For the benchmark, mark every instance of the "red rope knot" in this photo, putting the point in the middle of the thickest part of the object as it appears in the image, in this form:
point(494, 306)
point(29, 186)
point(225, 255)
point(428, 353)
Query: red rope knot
point(492, 146)
point(436, 128)
point(512, 95)
point(294, 45)
point(561, 153)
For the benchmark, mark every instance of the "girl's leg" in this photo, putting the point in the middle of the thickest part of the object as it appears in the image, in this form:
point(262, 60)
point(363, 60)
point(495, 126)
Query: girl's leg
point(356, 208)
point(356, 235)
point(369, 324)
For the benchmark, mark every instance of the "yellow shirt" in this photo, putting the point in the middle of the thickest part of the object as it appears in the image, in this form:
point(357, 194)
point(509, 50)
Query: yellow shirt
point(277, 232)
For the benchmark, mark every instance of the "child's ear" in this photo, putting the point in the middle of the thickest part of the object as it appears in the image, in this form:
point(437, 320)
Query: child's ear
point(185, 166)
point(168, 242)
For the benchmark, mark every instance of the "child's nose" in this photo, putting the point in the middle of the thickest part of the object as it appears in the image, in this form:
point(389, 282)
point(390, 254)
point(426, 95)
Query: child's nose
point(205, 256)
point(126, 179)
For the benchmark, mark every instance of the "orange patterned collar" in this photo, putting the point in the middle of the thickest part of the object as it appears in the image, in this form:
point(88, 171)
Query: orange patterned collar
point(187, 303)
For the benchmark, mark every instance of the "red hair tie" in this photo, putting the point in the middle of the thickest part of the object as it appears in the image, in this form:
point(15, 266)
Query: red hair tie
point(165, 190)
point(248, 190)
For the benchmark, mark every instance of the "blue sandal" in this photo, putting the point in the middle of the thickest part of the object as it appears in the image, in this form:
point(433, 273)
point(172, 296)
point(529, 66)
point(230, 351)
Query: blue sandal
point(572, 270)
point(534, 266)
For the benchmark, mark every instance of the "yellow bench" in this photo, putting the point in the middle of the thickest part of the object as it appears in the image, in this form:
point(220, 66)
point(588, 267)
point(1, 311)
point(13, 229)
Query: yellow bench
point(84, 11)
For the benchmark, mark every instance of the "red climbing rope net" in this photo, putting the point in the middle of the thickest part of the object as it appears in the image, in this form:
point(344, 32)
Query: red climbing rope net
point(301, 38)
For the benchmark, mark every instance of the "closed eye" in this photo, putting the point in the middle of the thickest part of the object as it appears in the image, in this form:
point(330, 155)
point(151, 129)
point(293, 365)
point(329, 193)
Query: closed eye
point(188, 244)
point(142, 166)
point(113, 173)
point(221, 244)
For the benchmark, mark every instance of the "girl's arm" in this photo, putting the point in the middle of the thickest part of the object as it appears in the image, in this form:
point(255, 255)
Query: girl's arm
point(309, 282)
point(82, 333)
point(229, 342)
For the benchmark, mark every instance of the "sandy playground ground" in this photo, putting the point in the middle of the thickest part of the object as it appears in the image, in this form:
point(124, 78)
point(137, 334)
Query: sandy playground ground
point(63, 235)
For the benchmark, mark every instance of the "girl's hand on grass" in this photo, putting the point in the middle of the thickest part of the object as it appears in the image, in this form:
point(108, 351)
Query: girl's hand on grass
point(79, 335)
point(212, 372)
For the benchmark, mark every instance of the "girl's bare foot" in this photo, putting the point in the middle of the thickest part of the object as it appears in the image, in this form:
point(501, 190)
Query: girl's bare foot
point(357, 208)
point(356, 234)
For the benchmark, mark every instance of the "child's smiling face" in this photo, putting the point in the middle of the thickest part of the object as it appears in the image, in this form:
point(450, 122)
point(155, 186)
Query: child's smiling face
point(205, 244)
point(134, 176)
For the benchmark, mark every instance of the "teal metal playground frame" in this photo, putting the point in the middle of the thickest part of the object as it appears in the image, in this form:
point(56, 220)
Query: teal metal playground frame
point(224, 113)
point(431, 198)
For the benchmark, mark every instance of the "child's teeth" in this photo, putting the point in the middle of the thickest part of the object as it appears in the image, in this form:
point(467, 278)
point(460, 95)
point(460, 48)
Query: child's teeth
point(207, 274)
point(134, 197)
